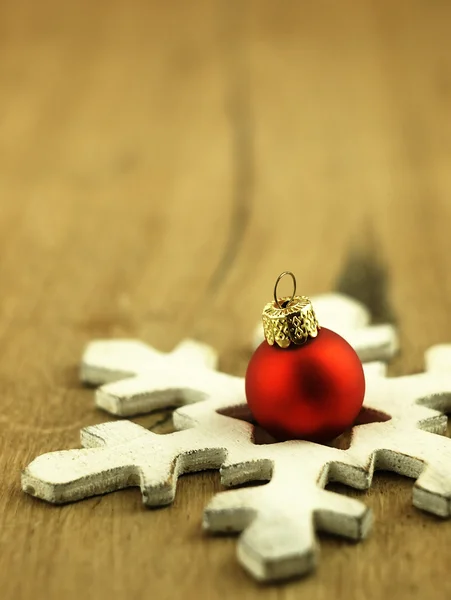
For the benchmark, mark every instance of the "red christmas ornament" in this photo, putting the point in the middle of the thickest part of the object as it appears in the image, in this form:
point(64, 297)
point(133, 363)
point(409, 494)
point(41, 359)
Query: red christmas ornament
point(303, 382)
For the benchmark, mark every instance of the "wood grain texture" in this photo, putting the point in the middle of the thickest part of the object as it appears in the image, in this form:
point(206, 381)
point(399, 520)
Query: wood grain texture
point(159, 163)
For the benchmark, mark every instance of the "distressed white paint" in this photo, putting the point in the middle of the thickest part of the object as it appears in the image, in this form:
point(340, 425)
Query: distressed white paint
point(110, 360)
point(279, 519)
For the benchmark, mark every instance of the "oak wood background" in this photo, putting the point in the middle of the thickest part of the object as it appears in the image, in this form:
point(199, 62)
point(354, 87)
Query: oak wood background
point(160, 163)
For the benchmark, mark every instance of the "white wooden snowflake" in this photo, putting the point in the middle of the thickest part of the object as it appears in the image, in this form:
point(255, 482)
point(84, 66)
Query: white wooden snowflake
point(396, 431)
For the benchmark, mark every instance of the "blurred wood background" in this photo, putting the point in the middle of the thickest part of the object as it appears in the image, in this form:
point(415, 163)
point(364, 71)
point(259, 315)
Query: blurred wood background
point(160, 164)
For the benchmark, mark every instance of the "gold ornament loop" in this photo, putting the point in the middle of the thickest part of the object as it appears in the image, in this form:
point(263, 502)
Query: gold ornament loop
point(290, 319)
point(276, 300)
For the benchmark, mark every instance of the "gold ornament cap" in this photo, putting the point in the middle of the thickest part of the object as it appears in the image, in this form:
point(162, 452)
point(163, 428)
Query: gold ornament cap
point(289, 320)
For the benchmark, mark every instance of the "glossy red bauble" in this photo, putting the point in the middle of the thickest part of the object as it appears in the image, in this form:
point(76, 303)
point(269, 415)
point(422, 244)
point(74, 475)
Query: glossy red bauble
point(311, 392)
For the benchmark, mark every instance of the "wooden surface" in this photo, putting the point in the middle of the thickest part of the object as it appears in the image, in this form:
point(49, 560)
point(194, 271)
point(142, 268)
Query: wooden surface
point(160, 163)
